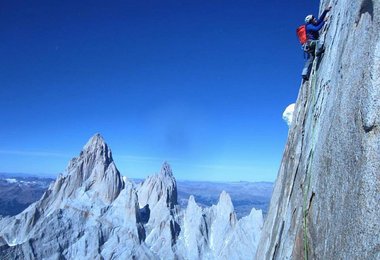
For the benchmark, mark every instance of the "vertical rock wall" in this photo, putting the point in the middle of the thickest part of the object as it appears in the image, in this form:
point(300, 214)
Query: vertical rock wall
point(326, 201)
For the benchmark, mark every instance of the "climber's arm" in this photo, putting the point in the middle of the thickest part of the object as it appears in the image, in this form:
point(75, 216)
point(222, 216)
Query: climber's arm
point(322, 17)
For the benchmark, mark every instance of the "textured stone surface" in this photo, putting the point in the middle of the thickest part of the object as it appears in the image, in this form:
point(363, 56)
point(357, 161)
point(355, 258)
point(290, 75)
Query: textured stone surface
point(325, 203)
point(91, 212)
point(84, 214)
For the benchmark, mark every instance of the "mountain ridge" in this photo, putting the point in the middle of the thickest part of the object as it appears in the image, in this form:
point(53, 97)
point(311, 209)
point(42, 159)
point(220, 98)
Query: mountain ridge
point(91, 208)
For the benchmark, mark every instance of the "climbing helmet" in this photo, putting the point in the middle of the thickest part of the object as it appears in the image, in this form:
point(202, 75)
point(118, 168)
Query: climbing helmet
point(309, 18)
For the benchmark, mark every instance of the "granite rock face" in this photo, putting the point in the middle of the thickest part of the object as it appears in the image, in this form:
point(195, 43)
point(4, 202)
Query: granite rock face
point(325, 204)
point(84, 214)
point(92, 212)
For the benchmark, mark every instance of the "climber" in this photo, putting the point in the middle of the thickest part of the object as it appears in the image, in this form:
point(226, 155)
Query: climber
point(313, 47)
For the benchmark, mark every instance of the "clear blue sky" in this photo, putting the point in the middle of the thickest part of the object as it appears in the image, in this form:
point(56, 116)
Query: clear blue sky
point(201, 84)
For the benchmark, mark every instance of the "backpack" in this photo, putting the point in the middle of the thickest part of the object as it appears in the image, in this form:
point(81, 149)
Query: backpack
point(301, 34)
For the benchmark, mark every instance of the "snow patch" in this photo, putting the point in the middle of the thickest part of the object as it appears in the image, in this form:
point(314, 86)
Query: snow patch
point(11, 180)
point(288, 114)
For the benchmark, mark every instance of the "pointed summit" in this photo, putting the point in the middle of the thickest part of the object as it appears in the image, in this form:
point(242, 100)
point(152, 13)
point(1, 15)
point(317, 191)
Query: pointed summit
point(92, 172)
point(161, 186)
point(171, 184)
point(194, 231)
point(223, 222)
point(95, 139)
point(191, 201)
point(97, 143)
point(225, 202)
point(166, 170)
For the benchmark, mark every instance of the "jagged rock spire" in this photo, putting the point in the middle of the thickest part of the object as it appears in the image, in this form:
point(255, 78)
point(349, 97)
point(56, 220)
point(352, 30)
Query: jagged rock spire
point(93, 171)
point(223, 223)
point(96, 141)
point(90, 212)
point(166, 169)
point(157, 187)
point(74, 217)
point(159, 192)
point(97, 148)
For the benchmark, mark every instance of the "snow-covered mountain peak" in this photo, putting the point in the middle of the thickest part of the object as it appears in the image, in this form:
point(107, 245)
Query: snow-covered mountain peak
point(98, 148)
point(193, 210)
point(93, 172)
point(166, 170)
point(191, 201)
point(225, 202)
point(223, 222)
point(161, 186)
point(92, 212)
point(94, 142)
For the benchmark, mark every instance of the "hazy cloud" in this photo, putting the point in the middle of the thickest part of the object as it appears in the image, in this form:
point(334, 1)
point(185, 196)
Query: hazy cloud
point(288, 114)
point(33, 153)
point(224, 167)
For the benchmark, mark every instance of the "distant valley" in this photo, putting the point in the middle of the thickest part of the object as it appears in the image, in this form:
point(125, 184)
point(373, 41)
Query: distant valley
point(244, 195)
point(18, 191)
